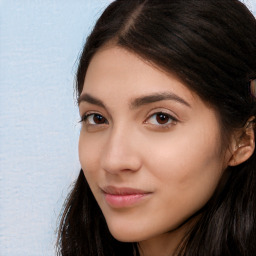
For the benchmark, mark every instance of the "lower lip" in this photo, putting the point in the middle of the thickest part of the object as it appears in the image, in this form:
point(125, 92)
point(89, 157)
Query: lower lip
point(122, 201)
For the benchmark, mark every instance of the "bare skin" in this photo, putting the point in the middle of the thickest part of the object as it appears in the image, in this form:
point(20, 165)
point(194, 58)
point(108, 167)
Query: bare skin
point(149, 148)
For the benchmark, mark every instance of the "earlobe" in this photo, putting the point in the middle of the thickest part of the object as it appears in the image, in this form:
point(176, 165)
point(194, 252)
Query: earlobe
point(243, 144)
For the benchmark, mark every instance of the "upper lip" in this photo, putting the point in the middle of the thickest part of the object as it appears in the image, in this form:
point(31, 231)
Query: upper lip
point(123, 191)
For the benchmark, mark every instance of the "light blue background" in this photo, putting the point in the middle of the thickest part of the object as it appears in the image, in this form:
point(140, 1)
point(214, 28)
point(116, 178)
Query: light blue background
point(40, 41)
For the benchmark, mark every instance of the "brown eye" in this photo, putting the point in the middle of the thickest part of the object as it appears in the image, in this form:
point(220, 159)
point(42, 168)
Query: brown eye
point(98, 119)
point(94, 119)
point(162, 118)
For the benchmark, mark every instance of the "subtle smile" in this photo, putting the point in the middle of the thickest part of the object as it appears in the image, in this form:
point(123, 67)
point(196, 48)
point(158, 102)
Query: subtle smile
point(123, 197)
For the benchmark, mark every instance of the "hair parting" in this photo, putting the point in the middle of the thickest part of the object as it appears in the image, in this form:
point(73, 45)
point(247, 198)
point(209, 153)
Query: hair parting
point(210, 45)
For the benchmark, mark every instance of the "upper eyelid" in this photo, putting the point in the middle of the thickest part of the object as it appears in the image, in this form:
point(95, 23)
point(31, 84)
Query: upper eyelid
point(91, 112)
point(87, 114)
point(83, 111)
point(170, 116)
point(85, 117)
point(84, 104)
point(164, 111)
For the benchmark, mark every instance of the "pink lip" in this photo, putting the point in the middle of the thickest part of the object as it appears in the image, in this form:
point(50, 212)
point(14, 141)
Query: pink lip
point(123, 197)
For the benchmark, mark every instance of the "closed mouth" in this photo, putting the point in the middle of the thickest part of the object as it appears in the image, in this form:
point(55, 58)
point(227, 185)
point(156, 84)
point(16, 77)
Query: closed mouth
point(124, 197)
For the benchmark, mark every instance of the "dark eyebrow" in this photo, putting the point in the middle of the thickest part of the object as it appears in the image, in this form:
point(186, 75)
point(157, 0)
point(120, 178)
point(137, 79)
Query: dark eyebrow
point(90, 99)
point(157, 97)
point(143, 100)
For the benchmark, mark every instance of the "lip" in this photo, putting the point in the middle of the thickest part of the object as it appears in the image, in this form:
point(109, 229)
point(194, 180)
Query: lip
point(124, 197)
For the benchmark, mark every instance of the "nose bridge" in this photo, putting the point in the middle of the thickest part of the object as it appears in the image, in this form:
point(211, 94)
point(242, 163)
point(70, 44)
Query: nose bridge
point(120, 152)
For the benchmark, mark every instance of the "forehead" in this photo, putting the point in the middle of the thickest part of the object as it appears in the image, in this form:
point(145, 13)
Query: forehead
point(116, 70)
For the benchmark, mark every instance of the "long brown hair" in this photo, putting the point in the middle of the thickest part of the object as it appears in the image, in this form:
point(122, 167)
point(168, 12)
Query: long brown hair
point(211, 46)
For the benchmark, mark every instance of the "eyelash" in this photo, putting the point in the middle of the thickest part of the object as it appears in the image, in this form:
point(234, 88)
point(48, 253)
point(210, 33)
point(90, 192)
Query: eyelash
point(85, 117)
point(171, 120)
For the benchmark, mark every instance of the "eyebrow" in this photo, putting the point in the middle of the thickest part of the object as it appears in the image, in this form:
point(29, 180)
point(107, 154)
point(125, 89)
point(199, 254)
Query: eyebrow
point(137, 102)
point(157, 97)
point(90, 99)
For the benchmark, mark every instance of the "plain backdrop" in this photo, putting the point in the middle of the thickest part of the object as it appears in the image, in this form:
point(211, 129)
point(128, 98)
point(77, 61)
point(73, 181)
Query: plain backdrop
point(40, 41)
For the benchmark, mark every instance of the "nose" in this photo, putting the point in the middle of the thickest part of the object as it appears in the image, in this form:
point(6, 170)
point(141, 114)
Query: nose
point(121, 152)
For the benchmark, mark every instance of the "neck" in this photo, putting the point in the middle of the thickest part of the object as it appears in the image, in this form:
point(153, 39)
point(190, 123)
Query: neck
point(160, 246)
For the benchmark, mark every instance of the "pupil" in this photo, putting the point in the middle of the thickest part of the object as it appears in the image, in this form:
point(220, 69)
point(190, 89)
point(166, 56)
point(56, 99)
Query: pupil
point(162, 118)
point(98, 119)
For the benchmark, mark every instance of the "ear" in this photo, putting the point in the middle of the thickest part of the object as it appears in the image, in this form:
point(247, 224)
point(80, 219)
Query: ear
point(243, 143)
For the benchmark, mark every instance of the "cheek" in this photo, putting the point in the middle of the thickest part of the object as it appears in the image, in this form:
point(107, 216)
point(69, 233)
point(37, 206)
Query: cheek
point(89, 160)
point(88, 153)
point(187, 167)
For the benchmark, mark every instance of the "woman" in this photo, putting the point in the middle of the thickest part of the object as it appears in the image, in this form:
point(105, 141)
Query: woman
point(165, 94)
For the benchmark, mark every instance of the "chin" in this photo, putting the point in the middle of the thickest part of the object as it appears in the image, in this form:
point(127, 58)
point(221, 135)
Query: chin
point(127, 235)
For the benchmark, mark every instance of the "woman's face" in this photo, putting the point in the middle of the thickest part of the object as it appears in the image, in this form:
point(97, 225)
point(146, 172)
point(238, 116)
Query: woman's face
point(149, 147)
